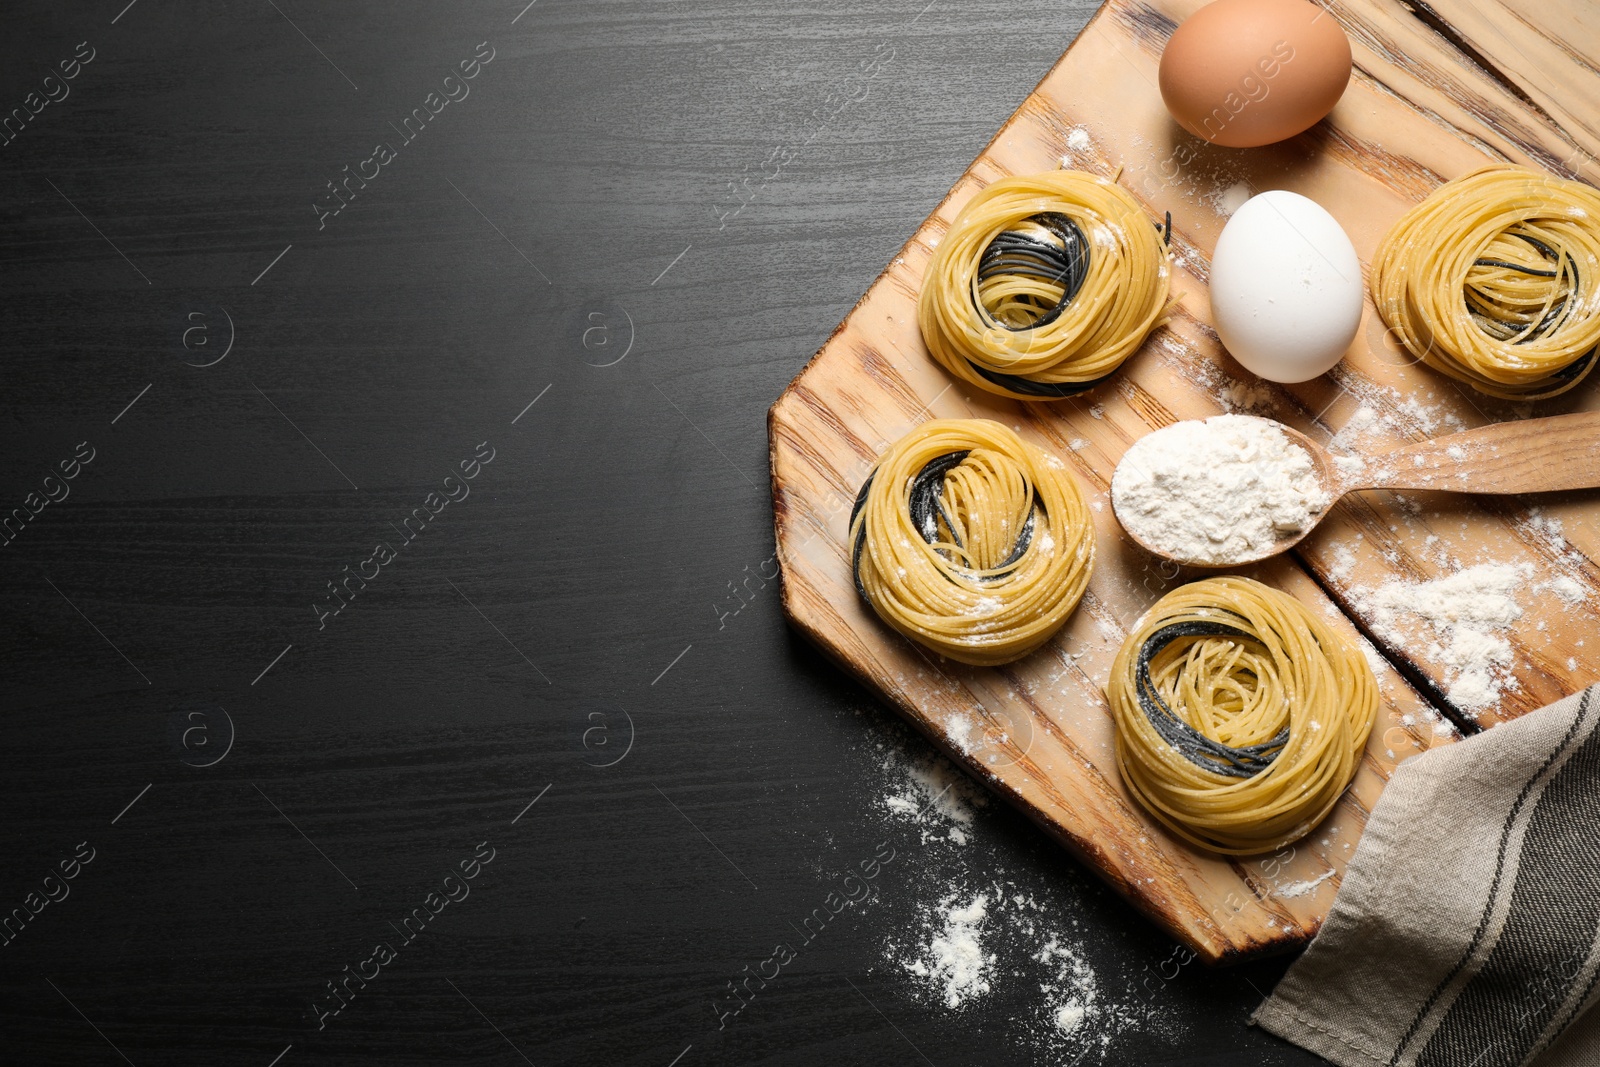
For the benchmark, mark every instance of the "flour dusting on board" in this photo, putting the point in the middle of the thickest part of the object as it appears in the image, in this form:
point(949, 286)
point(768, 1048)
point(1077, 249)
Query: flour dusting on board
point(1250, 398)
point(1305, 888)
point(1466, 615)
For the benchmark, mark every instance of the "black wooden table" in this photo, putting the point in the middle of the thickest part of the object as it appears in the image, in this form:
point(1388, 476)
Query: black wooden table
point(394, 667)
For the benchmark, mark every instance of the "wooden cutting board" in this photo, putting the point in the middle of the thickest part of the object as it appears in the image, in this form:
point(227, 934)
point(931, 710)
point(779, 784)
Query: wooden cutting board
point(1437, 90)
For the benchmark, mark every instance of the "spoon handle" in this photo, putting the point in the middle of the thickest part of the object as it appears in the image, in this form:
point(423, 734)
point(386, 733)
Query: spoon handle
point(1528, 456)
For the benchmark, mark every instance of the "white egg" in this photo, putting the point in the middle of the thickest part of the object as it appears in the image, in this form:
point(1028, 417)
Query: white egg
point(1285, 287)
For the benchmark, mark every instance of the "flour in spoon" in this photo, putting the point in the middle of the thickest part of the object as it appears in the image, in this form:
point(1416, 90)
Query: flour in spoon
point(1218, 490)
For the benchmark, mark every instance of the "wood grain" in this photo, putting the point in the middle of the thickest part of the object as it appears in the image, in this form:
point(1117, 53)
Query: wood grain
point(1534, 456)
point(1423, 106)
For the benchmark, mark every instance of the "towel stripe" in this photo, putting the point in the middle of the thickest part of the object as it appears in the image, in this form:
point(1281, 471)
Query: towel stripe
point(1578, 720)
point(1549, 932)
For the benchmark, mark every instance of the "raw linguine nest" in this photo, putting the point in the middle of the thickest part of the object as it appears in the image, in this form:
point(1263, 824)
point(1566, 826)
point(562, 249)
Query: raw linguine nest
point(1241, 716)
point(1044, 285)
point(970, 541)
point(1494, 280)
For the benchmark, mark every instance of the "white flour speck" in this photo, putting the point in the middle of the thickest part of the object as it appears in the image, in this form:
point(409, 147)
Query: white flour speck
point(1070, 1016)
point(1568, 589)
point(1249, 398)
point(953, 959)
point(1300, 889)
point(1233, 197)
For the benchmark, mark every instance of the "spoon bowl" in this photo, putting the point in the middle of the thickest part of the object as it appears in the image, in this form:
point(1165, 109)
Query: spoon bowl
point(1561, 452)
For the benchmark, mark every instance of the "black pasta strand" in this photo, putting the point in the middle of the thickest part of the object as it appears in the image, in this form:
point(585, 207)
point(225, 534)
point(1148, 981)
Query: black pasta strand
point(1067, 265)
point(926, 505)
point(1206, 753)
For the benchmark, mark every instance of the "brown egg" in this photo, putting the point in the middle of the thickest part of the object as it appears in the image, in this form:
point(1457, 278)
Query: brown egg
point(1243, 73)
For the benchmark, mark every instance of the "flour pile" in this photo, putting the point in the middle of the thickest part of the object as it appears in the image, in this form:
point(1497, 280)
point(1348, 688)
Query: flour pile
point(967, 933)
point(1213, 491)
point(1467, 615)
point(954, 959)
point(998, 942)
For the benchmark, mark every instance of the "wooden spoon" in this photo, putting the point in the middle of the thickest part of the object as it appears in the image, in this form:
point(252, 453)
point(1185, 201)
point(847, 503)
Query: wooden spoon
point(1528, 456)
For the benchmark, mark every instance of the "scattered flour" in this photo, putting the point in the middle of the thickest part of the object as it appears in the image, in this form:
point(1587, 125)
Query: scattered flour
point(1550, 532)
point(1069, 986)
point(970, 933)
point(1373, 657)
point(953, 959)
point(1349, 466)
point(1568, 589)
point(1070, 1016)
point(1236, 397)
point(1233, 197)
point(1467, 614)
point(1344, 563)
point(1363, 422)
point(1250, 398)
point(932, 795)
point(1430, 418)
point(1078, 139)
point(1225, 488)
point(1300, 889)
point(1000, 942)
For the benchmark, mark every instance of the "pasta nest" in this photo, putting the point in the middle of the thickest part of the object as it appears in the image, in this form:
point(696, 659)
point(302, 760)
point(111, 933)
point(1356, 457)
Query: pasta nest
point(970, 541)
point(1241, 716)
point(1044, 285)
point(1494, 280)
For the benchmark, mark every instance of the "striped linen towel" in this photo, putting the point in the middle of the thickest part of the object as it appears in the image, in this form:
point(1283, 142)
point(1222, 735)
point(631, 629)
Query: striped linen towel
point(1466, 932)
